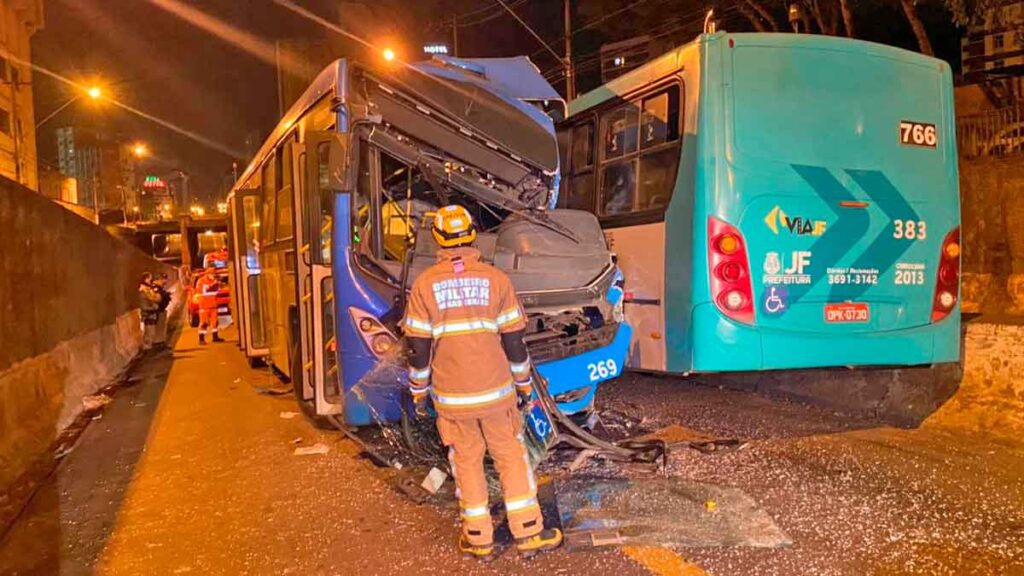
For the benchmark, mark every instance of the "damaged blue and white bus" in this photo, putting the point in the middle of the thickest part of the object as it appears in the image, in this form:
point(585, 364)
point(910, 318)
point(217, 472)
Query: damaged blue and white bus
point(328, 233)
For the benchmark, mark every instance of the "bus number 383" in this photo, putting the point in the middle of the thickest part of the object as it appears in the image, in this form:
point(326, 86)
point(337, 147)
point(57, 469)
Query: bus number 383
point(602, 369)
point(910, 229)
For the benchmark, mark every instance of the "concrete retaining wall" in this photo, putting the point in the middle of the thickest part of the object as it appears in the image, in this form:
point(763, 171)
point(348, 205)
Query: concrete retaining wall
point(992, 206)
point(991, 396)
point(68, 319)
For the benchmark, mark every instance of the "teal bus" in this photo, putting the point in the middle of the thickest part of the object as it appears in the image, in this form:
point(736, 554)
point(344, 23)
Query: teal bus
point(776, 201)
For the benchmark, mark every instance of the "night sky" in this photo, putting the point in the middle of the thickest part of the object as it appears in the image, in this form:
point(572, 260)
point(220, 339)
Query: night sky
point(167, 67)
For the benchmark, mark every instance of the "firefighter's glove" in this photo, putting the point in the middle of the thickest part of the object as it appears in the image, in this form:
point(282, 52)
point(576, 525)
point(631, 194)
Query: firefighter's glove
point(419, 401)
point(524, 391)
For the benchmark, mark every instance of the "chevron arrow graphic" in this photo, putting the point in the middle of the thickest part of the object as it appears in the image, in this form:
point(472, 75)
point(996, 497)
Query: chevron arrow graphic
point(839, 237)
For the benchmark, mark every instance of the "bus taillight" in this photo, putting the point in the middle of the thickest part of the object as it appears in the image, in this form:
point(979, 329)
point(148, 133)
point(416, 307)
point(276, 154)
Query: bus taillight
point(947, 282)
point(729, 271)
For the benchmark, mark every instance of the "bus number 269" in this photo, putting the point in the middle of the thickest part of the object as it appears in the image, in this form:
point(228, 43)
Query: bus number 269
point(602, 369)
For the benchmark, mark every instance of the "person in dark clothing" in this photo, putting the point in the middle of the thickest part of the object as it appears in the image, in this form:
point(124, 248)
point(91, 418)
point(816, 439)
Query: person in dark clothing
point(160, 286)
point(149, 303)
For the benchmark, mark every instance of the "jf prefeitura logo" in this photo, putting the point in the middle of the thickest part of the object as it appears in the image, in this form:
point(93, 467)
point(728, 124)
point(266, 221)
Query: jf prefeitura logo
point(777, 221)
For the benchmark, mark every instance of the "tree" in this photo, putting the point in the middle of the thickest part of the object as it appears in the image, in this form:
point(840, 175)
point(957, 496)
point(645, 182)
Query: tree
point(828, 15)
point(910, 9)
point(844, 7)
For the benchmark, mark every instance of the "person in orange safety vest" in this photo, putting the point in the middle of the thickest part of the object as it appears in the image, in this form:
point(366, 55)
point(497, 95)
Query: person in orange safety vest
point(206, 288)
point(465, 329)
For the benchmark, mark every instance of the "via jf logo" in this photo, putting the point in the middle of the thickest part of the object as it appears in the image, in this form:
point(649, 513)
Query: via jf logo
point(799, 225)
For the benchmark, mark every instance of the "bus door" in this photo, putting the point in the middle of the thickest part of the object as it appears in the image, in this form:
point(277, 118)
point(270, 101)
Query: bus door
point(244, 220)
point(314, 206)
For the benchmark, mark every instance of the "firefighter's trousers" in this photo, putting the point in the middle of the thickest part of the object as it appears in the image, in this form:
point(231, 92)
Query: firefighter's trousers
point(500, 434)
point(208, 319)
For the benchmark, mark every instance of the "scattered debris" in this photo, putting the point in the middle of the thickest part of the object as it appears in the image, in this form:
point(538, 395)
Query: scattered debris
point(410, 488)
point(272, 391)
point(287, 415)
point(62, 452)
point(581, 459)
point(434, 480)
point(318, 448)
point(583, 539)
point(666, 512)
point(98, 417)
point(95, 402)
point(297, 440)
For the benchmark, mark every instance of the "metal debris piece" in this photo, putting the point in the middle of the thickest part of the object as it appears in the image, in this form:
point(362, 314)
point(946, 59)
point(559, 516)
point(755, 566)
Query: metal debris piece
point(585, 539)
point(269, 391)
point(95, 402)
point(287, 415)
point(410, 488)
point(318, 448)
point(581, 459)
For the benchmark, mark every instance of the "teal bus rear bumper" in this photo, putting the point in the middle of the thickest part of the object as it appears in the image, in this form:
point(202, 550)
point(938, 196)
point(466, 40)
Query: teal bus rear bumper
point(721, 345)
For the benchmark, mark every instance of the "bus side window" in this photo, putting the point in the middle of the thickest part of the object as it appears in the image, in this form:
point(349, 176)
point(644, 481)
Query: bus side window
point(361, 209)
point(252, 226)
point(640, 157)
point(285, 201)
point(323, 225)
point(659, 149)
point(620, 132)
point(269, 181)
point(578, 190)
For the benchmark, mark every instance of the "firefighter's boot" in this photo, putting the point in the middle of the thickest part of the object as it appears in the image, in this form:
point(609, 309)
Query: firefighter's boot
point(217, 338)
point(545, 540)
point(202, 339)
point(482, 553)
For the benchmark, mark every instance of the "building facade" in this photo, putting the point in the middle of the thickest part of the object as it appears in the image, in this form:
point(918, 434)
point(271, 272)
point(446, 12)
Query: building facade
point(994, 44)
point(19, 20)
point(104, 169)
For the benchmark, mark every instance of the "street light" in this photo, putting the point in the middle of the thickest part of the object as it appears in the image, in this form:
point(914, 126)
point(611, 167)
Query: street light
point(140, 150)
point(94, 92)
point(389, 54)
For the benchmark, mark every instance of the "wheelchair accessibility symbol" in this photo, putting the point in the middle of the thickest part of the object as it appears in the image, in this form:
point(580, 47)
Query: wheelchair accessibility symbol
point(776, 300)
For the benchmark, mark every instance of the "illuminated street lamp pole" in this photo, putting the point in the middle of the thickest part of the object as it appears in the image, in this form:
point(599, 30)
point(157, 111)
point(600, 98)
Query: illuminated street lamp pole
point(93, 92)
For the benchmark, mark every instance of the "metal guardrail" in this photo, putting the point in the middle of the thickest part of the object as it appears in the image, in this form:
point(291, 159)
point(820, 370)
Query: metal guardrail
point(994, 133)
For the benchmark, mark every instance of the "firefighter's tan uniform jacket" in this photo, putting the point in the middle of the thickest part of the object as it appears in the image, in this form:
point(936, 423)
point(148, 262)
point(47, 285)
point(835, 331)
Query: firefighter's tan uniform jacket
point(464, 306)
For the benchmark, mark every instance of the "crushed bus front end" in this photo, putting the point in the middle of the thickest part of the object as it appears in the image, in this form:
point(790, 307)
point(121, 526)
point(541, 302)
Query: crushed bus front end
point(417, 139)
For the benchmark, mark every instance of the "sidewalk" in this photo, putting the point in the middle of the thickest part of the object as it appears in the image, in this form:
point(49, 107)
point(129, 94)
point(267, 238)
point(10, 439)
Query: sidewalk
point(192, 472)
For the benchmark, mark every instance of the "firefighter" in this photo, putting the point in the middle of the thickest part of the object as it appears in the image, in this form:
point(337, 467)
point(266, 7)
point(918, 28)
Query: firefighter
point(465, 331)
point(207, 287)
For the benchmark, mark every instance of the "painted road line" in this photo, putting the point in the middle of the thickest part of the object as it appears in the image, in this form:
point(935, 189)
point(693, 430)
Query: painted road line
point(662, 561)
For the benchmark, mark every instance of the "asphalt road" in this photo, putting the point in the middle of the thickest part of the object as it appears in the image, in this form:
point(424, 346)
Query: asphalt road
point(192, 471)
